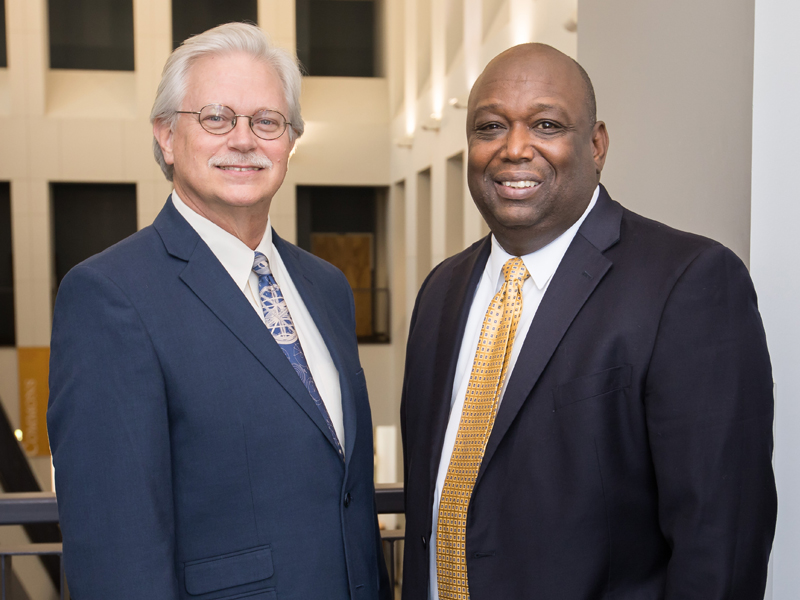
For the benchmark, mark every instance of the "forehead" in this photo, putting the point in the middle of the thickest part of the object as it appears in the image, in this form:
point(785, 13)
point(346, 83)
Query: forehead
point(530, 82)
point(237, 80)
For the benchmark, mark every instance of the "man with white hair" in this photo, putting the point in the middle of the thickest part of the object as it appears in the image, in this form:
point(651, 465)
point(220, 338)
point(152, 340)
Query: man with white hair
point(208, 417)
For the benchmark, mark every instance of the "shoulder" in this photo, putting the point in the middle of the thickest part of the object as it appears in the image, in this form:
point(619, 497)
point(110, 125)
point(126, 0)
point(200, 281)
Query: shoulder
point(457, 275)
point(663, 264)
point(133, 249)
point(465, 261)
point(136, 256)
point(655, 245)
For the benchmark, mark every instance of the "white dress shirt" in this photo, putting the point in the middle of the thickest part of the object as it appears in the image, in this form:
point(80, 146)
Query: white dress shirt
point(541, 265)
point(237, 258)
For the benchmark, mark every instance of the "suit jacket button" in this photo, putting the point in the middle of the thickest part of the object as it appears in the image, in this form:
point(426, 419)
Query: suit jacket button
point(424, 542)
point(347, 499)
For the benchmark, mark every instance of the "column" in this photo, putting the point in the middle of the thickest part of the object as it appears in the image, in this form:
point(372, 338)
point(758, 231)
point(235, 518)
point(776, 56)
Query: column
point(774, 246)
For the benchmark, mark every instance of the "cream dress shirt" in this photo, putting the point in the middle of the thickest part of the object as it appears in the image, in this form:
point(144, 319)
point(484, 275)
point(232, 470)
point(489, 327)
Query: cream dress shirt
point(237, 258)
point(541, 265)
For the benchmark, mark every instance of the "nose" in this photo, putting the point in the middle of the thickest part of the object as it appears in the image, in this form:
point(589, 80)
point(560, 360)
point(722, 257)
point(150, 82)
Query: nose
point(519, 143)
point(241, 137)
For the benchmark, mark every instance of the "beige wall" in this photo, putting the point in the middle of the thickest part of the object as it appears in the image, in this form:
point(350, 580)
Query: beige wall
point(674, 83)
point(92, 126)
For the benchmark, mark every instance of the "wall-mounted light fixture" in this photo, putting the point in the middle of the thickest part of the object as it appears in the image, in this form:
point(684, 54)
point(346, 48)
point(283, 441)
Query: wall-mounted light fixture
point(405, 142)
point(434, 123)
point(571, 24)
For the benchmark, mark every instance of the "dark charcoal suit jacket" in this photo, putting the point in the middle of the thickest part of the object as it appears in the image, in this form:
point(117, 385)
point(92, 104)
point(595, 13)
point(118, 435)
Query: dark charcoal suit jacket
point(631, 455)
point(191, 462)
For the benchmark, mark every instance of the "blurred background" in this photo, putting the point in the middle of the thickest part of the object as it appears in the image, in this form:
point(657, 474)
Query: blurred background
point(700, 98)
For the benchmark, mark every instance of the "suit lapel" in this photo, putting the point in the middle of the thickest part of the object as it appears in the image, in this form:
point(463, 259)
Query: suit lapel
point(464, 278)
point(207, 278)
point(580, 271)
point(317, 308)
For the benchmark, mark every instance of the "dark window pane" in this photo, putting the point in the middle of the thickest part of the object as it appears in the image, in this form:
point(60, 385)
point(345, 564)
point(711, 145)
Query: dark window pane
point(91, 34)
point(190, 17)
point(7, 335)
point(336, 37)
point(3, 54)
point(88, 218)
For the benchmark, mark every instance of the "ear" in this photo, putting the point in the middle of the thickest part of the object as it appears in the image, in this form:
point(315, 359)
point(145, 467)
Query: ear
point(599, 145)
point(163, 135)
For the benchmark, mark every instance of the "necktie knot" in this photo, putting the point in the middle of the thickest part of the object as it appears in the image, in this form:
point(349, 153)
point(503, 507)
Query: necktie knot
point(261, 264)
point(514, 269)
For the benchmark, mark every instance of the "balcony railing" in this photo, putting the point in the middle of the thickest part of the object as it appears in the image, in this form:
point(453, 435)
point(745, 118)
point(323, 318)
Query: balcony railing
point(42, 507)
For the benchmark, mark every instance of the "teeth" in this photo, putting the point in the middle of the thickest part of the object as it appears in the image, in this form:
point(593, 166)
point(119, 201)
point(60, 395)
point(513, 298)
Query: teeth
point(520, 184)
point(240, 168)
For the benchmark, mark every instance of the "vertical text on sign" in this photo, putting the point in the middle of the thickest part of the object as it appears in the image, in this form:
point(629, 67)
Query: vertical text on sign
point(33, 392)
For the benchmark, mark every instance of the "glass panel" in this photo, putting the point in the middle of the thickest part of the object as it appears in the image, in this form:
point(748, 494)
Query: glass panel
point(88, 218)
point(91, 34)
point(190, 17)
point(336, 37)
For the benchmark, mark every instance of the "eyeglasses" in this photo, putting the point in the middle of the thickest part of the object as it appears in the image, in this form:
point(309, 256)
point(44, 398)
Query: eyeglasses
point(219, 120)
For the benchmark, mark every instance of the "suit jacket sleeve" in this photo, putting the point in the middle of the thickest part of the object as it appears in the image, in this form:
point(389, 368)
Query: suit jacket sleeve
point(709, 406)
point(109, 432)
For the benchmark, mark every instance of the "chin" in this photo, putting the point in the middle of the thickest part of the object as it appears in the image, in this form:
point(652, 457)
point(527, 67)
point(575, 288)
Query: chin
point(243, 200)
point(517, 221)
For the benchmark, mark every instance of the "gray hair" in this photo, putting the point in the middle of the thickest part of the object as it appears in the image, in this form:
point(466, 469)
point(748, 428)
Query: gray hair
point(224, 39)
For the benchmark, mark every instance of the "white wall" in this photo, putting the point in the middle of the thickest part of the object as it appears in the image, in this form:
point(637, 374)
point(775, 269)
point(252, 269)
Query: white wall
point(674, 85)
point(775, 249)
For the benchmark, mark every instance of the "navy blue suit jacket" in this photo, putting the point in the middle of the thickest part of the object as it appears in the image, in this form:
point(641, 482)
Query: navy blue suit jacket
point(630, 457)
point(190, 460)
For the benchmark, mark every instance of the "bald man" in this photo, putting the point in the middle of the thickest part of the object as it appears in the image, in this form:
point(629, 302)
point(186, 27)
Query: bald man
point(587, 410)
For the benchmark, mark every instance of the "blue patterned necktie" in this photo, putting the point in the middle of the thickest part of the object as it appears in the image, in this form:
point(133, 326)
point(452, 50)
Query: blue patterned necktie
point(280, 324)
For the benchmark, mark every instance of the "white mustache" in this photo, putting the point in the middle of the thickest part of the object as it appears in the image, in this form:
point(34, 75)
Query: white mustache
point(238, 159)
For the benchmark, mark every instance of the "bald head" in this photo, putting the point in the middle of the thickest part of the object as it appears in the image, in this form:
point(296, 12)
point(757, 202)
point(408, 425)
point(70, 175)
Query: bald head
point(527, 55)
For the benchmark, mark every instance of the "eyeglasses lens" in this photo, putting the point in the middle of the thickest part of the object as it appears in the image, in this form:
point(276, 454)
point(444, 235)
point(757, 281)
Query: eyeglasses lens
point(218, 119)
point(268, 124)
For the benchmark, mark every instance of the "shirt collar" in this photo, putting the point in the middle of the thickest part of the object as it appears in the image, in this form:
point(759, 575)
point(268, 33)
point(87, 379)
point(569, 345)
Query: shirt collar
point(236, 257)
point(542, 263)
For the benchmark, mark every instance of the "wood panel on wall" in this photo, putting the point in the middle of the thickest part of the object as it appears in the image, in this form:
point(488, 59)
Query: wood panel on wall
point(352, 254)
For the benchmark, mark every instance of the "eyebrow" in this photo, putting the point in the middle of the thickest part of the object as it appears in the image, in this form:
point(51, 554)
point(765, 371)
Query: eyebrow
point(537, 105)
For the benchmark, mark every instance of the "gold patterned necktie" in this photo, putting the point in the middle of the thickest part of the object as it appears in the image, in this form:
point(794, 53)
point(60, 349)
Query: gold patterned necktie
point(477, 420)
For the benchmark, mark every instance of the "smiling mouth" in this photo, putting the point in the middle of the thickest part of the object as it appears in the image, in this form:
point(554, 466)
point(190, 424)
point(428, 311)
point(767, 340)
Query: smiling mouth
point(519, 184)
point(240, 168)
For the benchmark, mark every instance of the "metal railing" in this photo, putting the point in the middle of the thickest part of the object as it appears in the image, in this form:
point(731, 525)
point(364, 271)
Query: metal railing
point(28, 509)
point(17, 477)
point(390, 499)
point(42, 507)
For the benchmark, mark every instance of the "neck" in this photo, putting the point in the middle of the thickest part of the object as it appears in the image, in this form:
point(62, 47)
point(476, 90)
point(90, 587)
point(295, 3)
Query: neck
point(247, 223)
point(520, 245)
